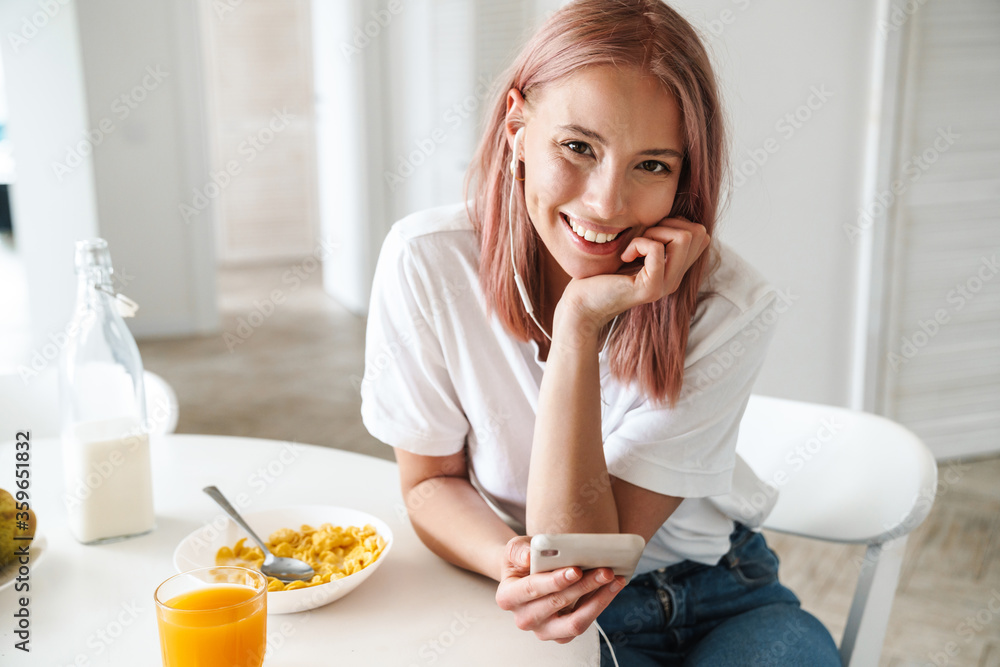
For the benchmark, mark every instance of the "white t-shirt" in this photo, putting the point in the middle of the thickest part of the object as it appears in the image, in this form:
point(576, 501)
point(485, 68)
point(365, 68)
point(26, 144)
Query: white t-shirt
point(440, 376)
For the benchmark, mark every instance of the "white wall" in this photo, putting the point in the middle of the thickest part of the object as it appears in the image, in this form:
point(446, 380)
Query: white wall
point(48, 115)
point(143, 74)
point(106, 122)
point(787, 217)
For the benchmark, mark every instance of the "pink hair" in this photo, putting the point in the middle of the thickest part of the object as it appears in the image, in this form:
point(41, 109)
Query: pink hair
point(649, 343)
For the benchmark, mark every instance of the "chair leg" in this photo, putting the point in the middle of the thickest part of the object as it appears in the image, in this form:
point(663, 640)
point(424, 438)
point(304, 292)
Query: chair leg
point(869, 617)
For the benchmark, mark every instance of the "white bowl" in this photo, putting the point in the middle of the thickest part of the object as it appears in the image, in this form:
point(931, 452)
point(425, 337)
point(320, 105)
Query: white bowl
point(200, 547)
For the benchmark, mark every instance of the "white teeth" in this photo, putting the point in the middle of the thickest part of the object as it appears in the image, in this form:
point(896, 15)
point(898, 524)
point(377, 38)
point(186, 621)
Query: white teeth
point(591, 235)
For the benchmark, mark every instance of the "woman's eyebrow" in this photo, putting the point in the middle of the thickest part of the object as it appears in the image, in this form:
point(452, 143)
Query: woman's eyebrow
point(590, 134)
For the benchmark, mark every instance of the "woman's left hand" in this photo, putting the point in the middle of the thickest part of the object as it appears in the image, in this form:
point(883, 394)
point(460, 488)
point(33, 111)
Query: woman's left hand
point(668, 249)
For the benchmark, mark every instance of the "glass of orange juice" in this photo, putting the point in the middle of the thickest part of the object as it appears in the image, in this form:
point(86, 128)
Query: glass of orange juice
point(213, 617)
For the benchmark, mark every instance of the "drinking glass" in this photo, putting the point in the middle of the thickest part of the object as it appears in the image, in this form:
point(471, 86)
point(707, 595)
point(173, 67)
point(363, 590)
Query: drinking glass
point(213, 617)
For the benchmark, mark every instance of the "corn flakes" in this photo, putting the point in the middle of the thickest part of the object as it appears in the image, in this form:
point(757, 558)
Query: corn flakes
point(334, 552)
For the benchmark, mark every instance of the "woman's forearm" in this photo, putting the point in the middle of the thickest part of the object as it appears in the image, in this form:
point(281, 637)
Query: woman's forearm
point(568, 485)
point(455, 522)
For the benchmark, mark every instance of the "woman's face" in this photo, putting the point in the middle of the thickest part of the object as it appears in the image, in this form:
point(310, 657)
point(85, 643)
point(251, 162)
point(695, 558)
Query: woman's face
point(602, 157)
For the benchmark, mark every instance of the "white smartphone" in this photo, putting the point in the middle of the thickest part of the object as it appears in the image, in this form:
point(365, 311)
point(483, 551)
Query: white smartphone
point(619, 551)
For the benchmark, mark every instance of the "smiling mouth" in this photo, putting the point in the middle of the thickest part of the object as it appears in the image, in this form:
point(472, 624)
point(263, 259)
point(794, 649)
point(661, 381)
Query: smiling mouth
point(588, 234)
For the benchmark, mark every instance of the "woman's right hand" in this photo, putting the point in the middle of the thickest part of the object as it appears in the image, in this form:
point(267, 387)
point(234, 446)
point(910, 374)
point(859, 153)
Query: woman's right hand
point(557, 605)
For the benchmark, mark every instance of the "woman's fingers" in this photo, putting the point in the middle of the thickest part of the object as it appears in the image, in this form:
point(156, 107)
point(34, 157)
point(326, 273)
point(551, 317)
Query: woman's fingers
point(649, 279)
point(692, 240)
point(516, 558)
point(668, 251)
point(563, 628)
point(539, 612)
point(697, 232)
point(685, 241)
point(515, 592)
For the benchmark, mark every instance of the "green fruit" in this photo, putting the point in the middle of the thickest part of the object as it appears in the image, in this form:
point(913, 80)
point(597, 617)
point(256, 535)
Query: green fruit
point(8, 528)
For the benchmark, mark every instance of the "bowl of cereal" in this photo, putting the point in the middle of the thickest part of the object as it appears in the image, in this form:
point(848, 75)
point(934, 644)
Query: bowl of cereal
point(344, 546)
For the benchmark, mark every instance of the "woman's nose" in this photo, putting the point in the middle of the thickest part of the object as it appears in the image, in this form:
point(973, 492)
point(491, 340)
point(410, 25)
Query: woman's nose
point(606, 193)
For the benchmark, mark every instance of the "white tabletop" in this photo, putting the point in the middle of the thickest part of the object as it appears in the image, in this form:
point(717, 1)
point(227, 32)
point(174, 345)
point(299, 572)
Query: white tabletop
point(93, 605)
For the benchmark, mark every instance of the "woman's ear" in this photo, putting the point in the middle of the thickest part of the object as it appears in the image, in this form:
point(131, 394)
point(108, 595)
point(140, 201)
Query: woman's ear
point(514, 120)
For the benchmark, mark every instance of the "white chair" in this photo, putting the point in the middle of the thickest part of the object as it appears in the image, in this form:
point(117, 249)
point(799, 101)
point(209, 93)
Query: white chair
point(162, 409)
point(842, 476)
point(33, 403)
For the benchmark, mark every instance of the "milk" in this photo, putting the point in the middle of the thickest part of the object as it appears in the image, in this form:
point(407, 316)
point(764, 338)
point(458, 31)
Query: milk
point(109, 488)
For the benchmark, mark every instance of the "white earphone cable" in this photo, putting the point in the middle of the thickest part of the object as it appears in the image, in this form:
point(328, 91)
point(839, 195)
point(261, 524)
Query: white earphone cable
point(607, 641)
point(510, 233)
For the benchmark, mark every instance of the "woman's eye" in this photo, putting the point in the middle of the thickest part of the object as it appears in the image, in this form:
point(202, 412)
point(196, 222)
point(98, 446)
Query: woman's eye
point(654, 167)
point(578, 147)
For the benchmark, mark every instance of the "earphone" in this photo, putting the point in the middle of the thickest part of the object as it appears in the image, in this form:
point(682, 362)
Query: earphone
point(518, 281)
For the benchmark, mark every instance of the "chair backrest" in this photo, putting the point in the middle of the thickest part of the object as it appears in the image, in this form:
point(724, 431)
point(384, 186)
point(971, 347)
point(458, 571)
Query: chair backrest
point(33, 403)
point(840, 475)
point(162, 410)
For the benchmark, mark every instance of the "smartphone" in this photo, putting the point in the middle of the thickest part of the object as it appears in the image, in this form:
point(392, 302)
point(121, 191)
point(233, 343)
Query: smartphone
point(619, 551)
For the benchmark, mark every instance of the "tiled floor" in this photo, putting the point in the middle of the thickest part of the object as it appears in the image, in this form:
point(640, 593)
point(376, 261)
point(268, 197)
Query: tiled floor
point(293, 373)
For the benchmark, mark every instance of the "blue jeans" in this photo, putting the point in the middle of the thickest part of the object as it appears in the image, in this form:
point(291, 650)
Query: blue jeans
point(734, 613)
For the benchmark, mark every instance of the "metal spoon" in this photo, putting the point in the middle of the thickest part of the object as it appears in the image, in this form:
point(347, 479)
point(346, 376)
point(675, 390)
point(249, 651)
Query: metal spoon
point(285, 569)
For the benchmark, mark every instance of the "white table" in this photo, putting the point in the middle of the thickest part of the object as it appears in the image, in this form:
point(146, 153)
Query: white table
point(93, 605)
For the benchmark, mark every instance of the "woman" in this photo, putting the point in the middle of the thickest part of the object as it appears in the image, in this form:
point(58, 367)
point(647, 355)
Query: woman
point(547, 359)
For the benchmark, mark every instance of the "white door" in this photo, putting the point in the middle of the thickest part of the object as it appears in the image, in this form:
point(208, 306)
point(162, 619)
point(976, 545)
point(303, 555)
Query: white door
point(260, 93)
point(940, 356)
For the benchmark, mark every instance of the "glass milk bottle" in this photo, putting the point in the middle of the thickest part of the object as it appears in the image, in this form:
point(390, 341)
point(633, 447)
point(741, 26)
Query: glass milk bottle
point(105, 442)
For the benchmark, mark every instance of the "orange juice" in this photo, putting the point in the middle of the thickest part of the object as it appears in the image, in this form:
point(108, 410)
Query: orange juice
point(217, 626)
